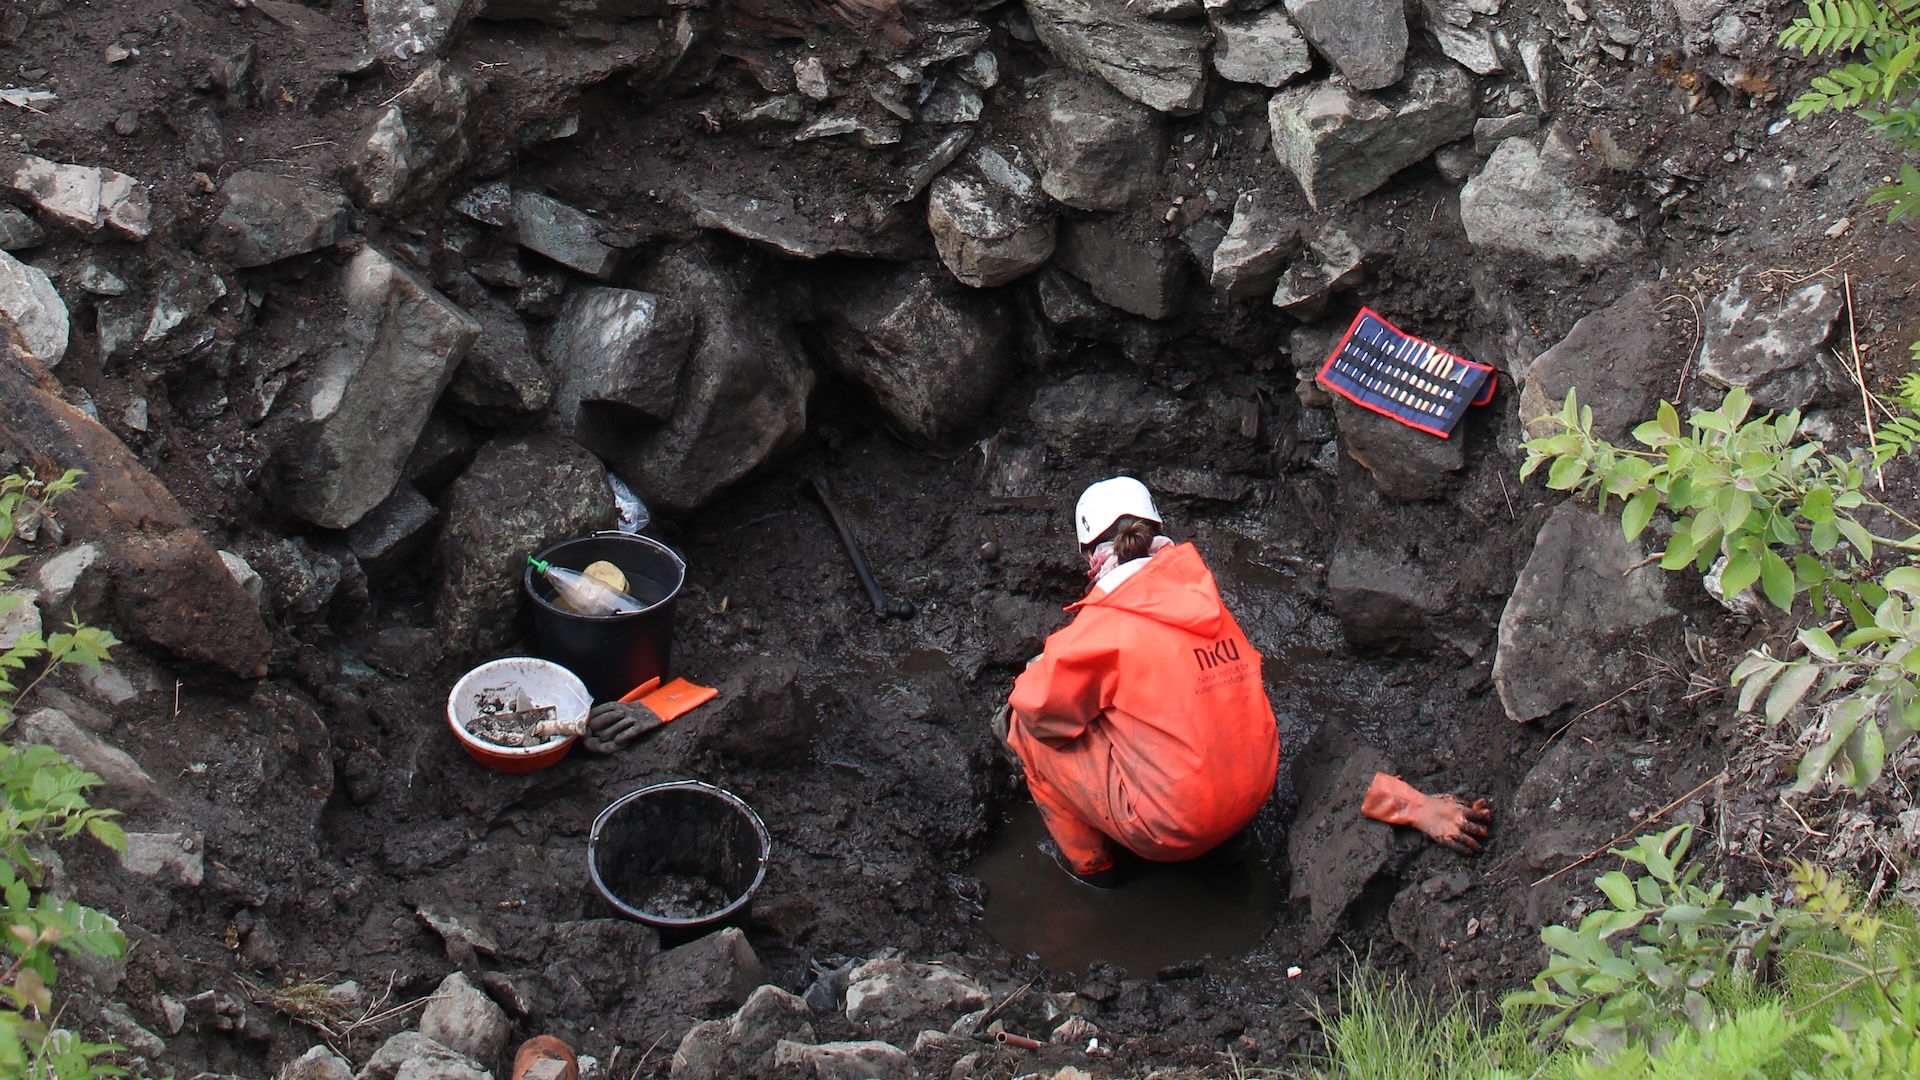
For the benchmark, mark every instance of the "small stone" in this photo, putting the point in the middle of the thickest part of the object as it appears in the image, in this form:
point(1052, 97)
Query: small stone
point(707, 977)
point(1524, 201)
point(60, 575)
point(489, 204)
point(318, 1063)
point(243, 575)
point(135, 415)
point(411, 1055)
point(101, 281)
point(1342, 145)
point(29, 301)
point(1770, 347)
point(127, 124)
point(108, 684)
point(174, 1013)
point(127, 1031)
point(117, 53)
point(810, 78)
point(870, 1060)
point(884, 993)
point(1258, 244)
point(561, 233)
point(122, 774)
point(22, 620)
point(18, 231)
point(1490, 131)
point(264, 218)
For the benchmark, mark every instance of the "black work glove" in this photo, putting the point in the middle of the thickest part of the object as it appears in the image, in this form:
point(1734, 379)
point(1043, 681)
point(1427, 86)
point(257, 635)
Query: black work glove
point(614, 724)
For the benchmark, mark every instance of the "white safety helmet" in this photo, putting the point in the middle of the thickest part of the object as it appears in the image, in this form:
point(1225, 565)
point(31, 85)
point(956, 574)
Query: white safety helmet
point(1108, 501)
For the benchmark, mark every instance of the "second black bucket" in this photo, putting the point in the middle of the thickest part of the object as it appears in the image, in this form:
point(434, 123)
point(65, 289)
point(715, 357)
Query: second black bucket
point(612, 654)
point(683, 857)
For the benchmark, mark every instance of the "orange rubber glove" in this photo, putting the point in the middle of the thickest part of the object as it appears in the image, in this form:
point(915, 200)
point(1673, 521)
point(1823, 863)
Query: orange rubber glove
point(1450, 822)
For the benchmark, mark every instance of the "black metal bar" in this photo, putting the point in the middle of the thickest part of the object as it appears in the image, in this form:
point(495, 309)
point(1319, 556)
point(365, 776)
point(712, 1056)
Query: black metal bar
point(899, 609)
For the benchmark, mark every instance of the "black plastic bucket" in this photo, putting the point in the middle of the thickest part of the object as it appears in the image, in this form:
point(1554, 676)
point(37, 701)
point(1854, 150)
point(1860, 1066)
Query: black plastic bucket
point(612, 654)
point(684, 857)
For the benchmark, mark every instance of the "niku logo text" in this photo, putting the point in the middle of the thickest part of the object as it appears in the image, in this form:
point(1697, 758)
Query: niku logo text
point(1222, 652)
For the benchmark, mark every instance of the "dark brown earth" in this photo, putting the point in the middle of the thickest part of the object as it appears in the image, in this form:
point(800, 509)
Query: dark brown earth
point(333, 802)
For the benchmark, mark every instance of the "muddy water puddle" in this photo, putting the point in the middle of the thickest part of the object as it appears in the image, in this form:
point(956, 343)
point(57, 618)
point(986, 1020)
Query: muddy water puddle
point(1161, 914)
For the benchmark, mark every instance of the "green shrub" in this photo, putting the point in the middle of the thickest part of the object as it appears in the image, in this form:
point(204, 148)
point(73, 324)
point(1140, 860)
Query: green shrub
point(1880, 87)
point(43, 799)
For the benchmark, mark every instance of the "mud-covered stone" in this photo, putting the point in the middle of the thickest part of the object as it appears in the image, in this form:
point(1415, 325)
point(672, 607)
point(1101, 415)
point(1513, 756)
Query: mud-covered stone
point(990, 221)
point(1341, 144)
point(616, 357)
point(169, 586)
point(1524, 201)
point(418, 142)
point(705, 978)
point(744, 391)
point(889, 992)
point(1384, 600)
point(1406, 463)
point(19, 232)
point(932, 353)
point(123, 776)
point(1618, 360)
point(1583, 590)
point(406, 29)
point(1159, 64)
point(1365, 40)
point(85, 198)
point(499, 383)
point(1258, 244)
point(462, 1018)
point(1263, 48)
point(1332, 261)
point(264, 218)
point(370, 397)
point(561, 233)
point(30, 303)
point(1101, 414)
point(1770, 347)
point(742, 1044)
point(1098, 151)
point(1334, 851)
point(1125, 264)
point(519, 495)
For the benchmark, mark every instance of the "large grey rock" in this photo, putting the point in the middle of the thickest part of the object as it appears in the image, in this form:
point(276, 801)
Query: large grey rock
point(85, 198)
point(1770, 348)
point(1472, 47)
point(933, 353)
point(1341, 144)
point(561, 233)
point(742, 1044)
point(1523, 201)
point(173, 858)
point(1259, 243)
point(1364, 40)
point(743, 396)
point(1098, 151)
point(990, 222)
point(1263, 48)
point(868, 1060)
point(30, 304)
point(1406, 464)
point(769, 217)
point(370, 397)
point(265, 217)
point(1158, 64)
point(500, 382)
point(1067, 303)
point(518, 496)
point(418, 142)
point(462, 1018)
point(1125, 263)
point(1101, 414)
point(413, 1056)
point(124, 777)
point(1383, 600)
point(1571, 611)
point(705, 978)
point(405, 29)
point(887, 993)
point(1618, 359)
point(616, 357)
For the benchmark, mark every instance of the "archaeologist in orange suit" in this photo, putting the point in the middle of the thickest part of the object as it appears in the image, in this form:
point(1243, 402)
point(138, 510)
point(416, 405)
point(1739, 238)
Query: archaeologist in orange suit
point(1143, 723)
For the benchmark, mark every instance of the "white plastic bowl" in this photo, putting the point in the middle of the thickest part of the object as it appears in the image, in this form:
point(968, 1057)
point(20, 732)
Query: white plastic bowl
point(545, 682)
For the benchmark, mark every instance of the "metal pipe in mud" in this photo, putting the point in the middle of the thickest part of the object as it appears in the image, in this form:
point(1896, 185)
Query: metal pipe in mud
point(898, 609)
point(1005, 1038)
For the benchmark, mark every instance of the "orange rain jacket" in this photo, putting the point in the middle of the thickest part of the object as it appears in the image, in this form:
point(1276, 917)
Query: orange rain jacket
point(1145, 721)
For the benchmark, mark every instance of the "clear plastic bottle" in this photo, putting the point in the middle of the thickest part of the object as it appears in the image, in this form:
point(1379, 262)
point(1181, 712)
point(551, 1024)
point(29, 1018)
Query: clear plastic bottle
point(584, 595)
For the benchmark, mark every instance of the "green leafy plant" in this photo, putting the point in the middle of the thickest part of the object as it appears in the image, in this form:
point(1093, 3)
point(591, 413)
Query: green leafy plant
point(1665, 981)
point(43, 798)
point(1880, 87)
point(1794, 518)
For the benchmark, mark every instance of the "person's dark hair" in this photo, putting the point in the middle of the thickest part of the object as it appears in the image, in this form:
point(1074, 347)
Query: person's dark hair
point(1132, 537)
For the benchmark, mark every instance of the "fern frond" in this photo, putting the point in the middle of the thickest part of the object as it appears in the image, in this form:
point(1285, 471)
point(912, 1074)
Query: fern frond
point(1832, 26)
point(1904, 195)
